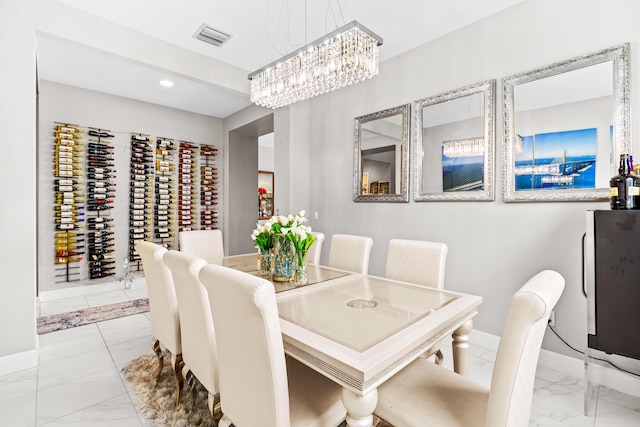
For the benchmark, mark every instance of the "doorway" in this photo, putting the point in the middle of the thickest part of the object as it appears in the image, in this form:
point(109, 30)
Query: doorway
point(244, 160)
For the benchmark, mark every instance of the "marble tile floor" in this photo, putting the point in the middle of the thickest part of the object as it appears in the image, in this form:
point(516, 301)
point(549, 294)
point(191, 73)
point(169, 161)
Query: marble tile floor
point(78, 380)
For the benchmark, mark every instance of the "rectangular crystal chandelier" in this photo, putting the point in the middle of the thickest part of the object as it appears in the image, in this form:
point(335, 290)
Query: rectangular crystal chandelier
point(343, 57)
point(464, 148)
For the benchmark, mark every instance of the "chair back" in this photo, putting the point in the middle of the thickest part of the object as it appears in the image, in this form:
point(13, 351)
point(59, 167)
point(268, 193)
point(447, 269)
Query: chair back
point(206, 244)
point(349, 252)
point(315, 251)
point(514, 372)
point(163, 304)
point(416, 261)
point(199, 350)
point(253, 374)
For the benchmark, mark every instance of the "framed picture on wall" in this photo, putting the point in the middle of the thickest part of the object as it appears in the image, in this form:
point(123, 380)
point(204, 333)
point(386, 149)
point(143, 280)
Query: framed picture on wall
point(265, 194)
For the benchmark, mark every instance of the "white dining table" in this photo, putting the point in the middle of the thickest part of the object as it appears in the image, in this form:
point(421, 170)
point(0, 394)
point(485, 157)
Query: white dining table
point(360, 330)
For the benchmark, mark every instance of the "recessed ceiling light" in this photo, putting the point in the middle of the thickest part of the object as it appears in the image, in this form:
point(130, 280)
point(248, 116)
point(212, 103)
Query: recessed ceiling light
point(166, 83)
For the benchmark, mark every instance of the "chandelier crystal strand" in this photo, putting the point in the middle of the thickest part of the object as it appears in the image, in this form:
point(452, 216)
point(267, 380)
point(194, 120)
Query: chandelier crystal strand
point(348, 55)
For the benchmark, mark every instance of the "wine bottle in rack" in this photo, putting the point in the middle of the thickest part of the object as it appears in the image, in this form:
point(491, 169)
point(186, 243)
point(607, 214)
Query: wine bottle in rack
point(187, 168)
point(68, 218)
point(164, 192)
point(208, 191)
point(102, 192)
point(99, 133)
point(140, 192)
point(67, 259)
point(67, 246)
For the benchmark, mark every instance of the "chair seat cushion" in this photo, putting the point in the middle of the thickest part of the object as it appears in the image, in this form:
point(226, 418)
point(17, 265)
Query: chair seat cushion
point(424, 394)
point(314, 399)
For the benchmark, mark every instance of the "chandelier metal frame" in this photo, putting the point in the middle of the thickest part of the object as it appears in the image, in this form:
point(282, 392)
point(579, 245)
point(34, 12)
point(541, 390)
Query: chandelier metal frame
point(342, 57)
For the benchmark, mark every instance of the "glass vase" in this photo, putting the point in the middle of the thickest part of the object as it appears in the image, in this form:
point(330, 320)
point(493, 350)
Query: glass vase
point(301, 268)
point(284, 259)
point(265, 262)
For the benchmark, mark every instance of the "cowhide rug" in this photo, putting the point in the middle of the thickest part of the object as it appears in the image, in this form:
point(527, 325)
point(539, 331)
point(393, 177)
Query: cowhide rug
point(156, 400)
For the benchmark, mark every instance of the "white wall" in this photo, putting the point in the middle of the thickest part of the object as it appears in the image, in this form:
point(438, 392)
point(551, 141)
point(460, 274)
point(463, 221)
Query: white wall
point(120, 116)
point(494, 247)
point(265, 152)
point(17, 186)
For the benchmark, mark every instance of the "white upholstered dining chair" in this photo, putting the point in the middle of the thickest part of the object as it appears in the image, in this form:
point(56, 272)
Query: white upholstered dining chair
point(258, 384)
point(350, 252)
point(163, 308)
point(206, 244)
point(315, 251)
point(419, 262)
point(199, 347)
point(424, 394)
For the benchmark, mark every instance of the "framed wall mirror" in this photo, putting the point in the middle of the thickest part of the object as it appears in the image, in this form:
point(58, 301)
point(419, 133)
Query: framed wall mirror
point(380, 158)
point(565, 126)
point(453, 149)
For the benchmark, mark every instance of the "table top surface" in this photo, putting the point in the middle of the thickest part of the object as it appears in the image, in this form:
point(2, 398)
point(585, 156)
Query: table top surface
point(360, 311)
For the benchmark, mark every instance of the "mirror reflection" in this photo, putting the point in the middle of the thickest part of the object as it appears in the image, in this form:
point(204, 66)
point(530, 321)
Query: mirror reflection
point(454, 145)
point(380, 158)
point(564, 125)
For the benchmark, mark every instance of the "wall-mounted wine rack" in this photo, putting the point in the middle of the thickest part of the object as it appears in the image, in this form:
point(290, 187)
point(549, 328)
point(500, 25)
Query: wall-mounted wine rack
point(208, 188)
point(68, 199)
point(173, 186)
point(140, 207)
point(164, 206)
point(100, 201)
point(187, 163)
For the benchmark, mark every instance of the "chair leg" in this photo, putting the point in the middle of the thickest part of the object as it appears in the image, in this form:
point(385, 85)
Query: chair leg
point(177, 370)
point(155, 345)
point(225, 422)
point(216, 409)
point(211, 401)
point(439, 357)
point(191, 382)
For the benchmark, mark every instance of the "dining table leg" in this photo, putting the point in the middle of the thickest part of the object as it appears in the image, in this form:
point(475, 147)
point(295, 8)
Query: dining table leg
point(461, 348)
point(359, 408)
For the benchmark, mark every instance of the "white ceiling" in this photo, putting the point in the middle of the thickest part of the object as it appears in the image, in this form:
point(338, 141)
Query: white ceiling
point(262, 31)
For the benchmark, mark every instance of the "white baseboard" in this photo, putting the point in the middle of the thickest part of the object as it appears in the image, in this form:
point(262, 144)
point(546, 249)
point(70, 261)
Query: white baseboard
point(562, 363)
point(484, 339)
point(87, 289)
point(607, 377)
point(18, 361)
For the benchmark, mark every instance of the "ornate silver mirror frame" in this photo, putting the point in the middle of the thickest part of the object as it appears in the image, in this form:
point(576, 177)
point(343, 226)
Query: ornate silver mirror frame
point(380, 156)
point(566, 149)
point(453, 148)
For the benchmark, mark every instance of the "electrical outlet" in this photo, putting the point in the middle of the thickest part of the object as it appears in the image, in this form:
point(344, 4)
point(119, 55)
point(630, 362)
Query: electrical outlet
point(552, 319)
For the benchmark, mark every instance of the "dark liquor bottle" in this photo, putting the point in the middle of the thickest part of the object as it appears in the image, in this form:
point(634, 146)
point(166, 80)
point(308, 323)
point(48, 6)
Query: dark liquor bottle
point(100, 134)
point(624, 188)
point(98, 146)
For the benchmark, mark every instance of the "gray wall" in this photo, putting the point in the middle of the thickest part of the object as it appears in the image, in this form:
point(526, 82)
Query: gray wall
point(494, 247)
point(242, 184)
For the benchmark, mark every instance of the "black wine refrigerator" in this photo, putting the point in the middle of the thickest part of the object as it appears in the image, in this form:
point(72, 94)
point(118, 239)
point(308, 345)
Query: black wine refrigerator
point(612, 281)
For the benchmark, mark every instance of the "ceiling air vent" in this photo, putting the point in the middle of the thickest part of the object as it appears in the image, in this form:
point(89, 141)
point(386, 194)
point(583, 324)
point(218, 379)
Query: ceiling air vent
point(211, 35)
